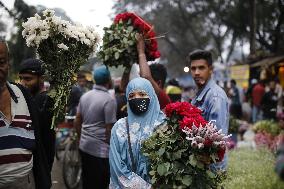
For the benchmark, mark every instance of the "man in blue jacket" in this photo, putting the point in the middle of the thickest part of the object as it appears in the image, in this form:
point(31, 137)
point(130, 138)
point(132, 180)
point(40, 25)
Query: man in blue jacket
point(210, 98)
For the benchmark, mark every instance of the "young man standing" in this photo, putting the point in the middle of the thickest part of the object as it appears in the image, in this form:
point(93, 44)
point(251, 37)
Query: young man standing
point(210, 98)
point(32, 77)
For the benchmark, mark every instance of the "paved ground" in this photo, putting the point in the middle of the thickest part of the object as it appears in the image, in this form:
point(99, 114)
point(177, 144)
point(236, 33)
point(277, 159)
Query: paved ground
point(56, 176)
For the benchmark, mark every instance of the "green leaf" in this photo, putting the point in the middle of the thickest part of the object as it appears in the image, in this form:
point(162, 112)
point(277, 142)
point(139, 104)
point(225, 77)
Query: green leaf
point(131, 42)
point(161, 151)
point(200, 165)
point(106, 58)
point(152, 172)
point(211, 174)
point(116, 55)
point(153, 180)
point(161, 169)
point(130, 28)
point(192, 160)
point(187, 180)
point(125, 40)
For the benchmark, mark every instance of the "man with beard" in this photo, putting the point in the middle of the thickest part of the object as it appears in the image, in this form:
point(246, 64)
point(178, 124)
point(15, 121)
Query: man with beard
point(210, 98)
point(32, 77)
point(22, 160)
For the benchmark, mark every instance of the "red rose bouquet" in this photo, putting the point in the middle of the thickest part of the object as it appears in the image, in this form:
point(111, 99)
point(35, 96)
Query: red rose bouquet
point(119, 41)
point(181, 150)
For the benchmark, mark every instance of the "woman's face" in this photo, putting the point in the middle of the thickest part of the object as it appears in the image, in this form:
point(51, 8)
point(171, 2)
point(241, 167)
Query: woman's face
point(138, 94)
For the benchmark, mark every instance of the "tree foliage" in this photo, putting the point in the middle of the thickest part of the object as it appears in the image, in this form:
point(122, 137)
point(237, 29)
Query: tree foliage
point(216, 25)
point(17, 44)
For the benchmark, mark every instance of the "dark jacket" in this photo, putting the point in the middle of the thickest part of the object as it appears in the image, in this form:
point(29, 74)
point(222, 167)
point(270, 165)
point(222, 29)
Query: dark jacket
point(41, 172)
point(44, 103)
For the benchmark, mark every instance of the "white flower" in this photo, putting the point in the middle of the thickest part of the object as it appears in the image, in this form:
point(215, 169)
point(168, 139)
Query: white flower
point(48, 12)
point(200, 145)
point(62, 46)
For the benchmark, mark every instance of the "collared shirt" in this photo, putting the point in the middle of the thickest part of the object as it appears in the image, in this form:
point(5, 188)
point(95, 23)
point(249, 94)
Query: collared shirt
point(97, 108)
point(17, 140)
point(213, 102)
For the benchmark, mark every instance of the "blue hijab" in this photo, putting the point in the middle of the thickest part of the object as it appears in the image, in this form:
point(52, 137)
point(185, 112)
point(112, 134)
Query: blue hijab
point(140, 128)
point(153, 114)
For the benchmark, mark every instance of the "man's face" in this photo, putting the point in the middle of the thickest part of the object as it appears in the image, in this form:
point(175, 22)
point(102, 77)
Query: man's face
point(30, 81)
point(272, 85)
point(4, 62)
point(82, 82)
point(200, 71)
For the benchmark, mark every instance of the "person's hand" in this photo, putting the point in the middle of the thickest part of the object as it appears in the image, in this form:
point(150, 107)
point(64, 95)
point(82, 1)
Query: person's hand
point(140, 44)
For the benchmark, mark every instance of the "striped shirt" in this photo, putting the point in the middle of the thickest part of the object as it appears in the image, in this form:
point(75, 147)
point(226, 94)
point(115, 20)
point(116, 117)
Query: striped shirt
point(16, 141)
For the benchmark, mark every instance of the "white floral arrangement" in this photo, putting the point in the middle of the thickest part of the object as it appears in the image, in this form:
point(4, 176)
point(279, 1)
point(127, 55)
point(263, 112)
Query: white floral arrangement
point(63, 47)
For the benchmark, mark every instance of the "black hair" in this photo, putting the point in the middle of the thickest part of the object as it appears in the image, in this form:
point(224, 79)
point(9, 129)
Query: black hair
point(201, 54)
point(173, 82)
point(32, 66)
point(233, 82)
point(159, 72)
point(81, 75)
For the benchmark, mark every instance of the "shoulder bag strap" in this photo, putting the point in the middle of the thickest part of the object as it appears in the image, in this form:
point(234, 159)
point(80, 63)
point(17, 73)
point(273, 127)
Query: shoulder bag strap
point(129, 148)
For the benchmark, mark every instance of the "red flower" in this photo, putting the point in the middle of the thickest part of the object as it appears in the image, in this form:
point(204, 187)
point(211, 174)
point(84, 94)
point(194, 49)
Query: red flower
point(221, 153)
point(145, 29)
point(157, 54)
point(154, 45)
point(138, 24)
point(151, 35)
point(188, 122)
point(208, 142)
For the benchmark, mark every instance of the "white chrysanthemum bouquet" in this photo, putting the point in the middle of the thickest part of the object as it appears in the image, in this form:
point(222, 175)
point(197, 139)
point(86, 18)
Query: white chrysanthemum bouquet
point(63, 48)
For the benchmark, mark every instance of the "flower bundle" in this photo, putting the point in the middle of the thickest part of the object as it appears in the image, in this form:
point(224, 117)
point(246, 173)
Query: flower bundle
point(267, 134)
point(63, 48)
point(181, 150)
point(119, 41)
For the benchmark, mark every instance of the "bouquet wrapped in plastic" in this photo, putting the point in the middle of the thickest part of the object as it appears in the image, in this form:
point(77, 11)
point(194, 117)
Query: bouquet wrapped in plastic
point(119, 41)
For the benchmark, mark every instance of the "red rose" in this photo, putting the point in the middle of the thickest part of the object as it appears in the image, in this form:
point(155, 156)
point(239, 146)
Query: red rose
point(221, 153)
point(151, 35)
point(117, 18)
point(208, 142)
point(153, 45)
point(138, 24)
point(188, 122)
point(157, 54)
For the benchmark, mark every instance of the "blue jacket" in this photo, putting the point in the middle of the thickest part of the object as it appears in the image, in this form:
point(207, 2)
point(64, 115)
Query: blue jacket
point(214, 104)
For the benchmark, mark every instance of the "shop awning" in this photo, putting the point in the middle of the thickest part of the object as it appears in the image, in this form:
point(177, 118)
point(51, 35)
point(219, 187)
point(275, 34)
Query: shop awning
point(268, 61)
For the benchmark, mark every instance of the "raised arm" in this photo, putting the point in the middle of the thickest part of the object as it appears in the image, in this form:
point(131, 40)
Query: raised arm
point(143, 65)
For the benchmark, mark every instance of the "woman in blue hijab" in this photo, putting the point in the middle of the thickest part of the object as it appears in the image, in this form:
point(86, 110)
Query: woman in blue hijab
point(129, 170)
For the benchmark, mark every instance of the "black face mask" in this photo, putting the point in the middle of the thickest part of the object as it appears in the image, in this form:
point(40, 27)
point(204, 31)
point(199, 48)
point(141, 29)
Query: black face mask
point(139, 105)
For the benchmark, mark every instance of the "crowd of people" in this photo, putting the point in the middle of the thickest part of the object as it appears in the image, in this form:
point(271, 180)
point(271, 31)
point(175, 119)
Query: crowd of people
point(262, 100)
point(110, 128)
